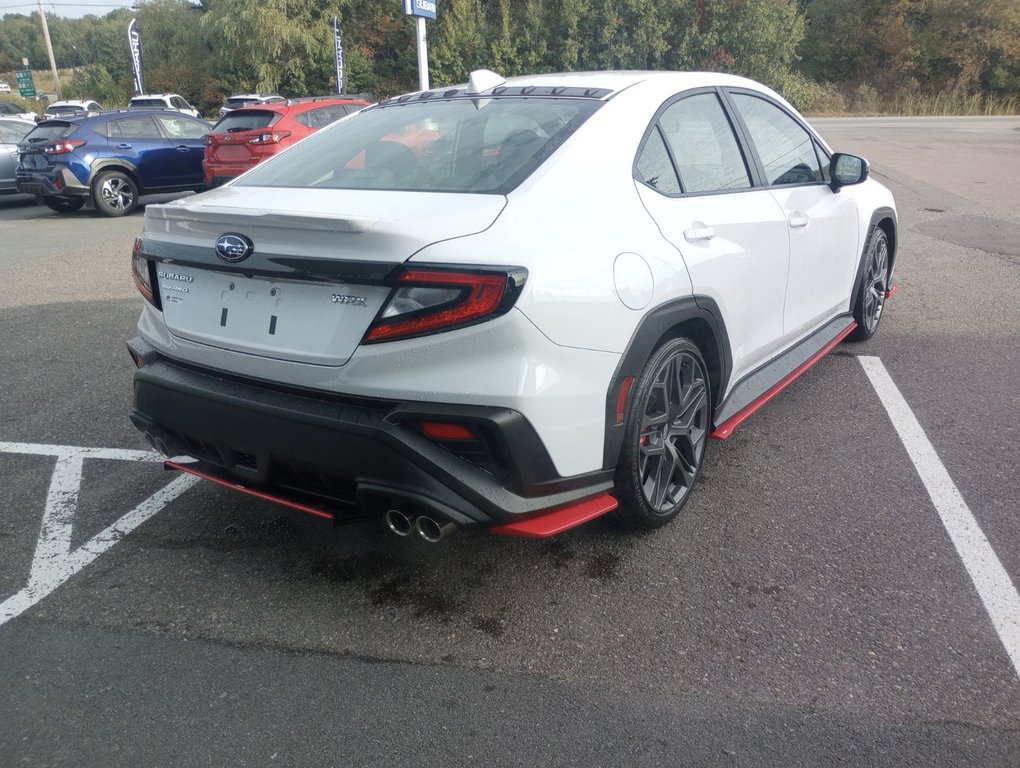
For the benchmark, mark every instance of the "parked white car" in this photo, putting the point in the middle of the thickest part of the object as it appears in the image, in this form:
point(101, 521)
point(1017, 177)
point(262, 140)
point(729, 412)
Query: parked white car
point(172, 101)
point(5, 87)
point(72, 108)
point(515, 304)
point(239, 100)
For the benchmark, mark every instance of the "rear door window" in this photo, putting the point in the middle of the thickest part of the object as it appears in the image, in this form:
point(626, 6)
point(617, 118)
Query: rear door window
point(140, 127)
point(704, 145)
point(323, 116)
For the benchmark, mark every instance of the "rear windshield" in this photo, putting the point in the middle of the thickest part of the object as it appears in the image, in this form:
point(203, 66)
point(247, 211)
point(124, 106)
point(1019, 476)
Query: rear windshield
point(238, 103)
point(248, 120)
point(50, 130)
point(66, 110)
point(148, 103)
point(455, 145)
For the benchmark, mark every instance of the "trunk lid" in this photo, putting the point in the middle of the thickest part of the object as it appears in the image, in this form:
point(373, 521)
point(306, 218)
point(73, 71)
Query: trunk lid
point(314, 281)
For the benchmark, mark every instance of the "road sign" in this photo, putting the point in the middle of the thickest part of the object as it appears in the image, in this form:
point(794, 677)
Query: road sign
point(26, 85)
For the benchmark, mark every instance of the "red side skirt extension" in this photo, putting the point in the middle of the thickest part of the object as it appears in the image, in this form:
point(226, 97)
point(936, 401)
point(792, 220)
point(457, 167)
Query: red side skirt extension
point(244, 489)
point(891, 291)
point(725, 429)
point(561, 520)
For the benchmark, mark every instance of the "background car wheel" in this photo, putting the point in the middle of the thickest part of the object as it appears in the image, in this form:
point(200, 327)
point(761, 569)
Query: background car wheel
point(871, 301)
point(114, 193)
point(64, 204)
point(666, 435)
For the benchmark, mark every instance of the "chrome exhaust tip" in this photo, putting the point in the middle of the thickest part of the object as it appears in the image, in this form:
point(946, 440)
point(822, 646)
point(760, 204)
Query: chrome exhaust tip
point(432, 530)
point(161, 447)
point(398, 522)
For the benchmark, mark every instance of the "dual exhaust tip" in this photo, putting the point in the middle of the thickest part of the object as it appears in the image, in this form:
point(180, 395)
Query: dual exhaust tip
point(157, 443)
point(430, 529)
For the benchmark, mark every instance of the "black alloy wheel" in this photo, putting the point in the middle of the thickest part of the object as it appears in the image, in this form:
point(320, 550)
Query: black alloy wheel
point(64, 204)
point(667, 432)
point(874, 284)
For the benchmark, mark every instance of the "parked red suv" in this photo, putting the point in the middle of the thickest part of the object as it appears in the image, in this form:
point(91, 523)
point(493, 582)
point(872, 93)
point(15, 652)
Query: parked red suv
point(245, 137)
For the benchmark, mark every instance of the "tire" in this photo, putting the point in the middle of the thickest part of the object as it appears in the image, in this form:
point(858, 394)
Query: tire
point(114, 193)
point(874, 284)
point(64, 204)
point(666, 436)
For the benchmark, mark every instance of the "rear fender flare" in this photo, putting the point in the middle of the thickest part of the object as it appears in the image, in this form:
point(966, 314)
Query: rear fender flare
point(709, 333)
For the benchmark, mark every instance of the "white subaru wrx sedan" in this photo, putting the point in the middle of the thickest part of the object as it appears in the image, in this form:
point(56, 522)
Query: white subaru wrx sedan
point(515, 304)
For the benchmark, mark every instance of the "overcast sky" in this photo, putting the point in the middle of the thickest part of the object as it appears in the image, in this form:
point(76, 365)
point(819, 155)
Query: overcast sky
point(72, 9)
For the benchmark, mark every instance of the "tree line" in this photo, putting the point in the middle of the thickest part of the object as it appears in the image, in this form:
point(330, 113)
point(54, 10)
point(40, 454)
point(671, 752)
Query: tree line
point(813, 51)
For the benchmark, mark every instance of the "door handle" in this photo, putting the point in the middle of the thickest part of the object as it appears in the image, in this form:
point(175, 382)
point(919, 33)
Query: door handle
point(799, 219)
point(183, 148)
point(123, 146)
point(698, 231)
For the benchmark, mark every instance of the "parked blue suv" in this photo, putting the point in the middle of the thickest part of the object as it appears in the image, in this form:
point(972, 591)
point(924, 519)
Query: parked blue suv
point(114, 157)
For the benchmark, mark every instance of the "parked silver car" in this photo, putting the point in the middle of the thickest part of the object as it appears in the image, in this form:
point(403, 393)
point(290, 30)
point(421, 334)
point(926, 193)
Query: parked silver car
point(12, 133)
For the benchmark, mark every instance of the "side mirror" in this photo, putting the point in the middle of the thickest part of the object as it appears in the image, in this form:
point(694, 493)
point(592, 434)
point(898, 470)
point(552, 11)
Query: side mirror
point(845, 170)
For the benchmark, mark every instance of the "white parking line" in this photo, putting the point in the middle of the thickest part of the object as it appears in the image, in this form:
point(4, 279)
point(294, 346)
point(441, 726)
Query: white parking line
point(54, 561)
point(993, 584)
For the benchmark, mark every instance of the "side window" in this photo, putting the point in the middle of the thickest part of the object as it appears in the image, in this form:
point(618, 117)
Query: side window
point(787, 151)
point(702, 141)
point(326, 115)
point(305, 118)
point(654, 167)
point(181, 128)
point(178, 102)
point(133, 128)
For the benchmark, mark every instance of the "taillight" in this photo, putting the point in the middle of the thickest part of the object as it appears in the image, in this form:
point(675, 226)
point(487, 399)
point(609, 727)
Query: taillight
point(428, 300)
point(141, 271)
point(269, 137)
point(62, 147)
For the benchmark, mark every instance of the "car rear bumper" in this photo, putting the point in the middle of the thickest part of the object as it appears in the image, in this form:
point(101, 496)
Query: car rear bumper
point(220, 173)
point(353, 456)
point(58, 182)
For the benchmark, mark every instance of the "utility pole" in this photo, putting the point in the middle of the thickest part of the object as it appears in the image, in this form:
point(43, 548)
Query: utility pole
point(49, 48)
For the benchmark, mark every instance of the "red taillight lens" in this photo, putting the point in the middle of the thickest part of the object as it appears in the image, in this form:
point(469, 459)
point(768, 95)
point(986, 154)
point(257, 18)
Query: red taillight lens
point(430, 300)
point(63, 147)
point(142, 273)
point(269, 137)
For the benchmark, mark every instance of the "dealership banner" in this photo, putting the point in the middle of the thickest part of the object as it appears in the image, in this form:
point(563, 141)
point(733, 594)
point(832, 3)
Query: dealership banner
point(338, 47)
point(135, 42)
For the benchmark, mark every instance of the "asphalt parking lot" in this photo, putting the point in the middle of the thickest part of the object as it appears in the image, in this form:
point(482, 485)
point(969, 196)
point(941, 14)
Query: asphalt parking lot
point(840, 591)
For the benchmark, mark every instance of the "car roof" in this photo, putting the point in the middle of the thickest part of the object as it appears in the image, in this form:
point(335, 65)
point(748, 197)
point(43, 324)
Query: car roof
point(598, 85)
point(73, 103)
